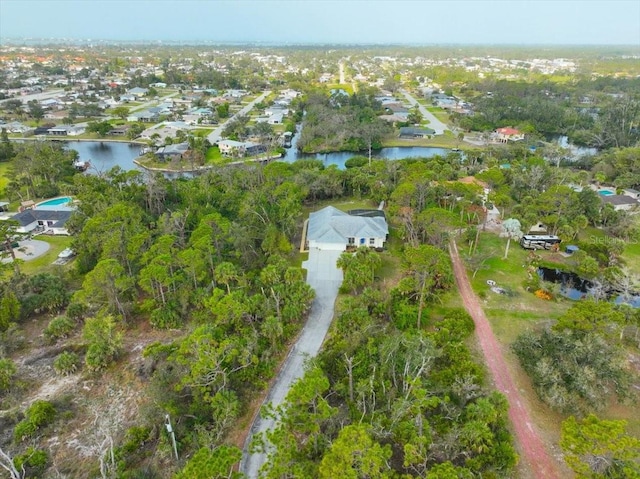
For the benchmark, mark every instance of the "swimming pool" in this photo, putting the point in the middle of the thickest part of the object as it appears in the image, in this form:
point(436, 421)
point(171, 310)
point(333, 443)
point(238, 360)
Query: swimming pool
point(61, 200)
point(606, 193)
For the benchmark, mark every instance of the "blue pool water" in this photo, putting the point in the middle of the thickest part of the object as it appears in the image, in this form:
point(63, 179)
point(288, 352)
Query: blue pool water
point(606, 193)
point(63, 200)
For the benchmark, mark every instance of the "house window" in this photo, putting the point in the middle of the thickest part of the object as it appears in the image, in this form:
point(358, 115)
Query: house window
point(372, 241)
point(352, 241)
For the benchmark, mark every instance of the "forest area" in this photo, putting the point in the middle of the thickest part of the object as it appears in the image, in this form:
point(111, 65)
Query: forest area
point(148, 355)
point(209, 264)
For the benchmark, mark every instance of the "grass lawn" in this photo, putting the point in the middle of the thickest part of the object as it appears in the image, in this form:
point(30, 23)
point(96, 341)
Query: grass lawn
point(202, 132)
point(440, 141)
point(337, 86)
point(631, 256)
point(214, 157)
point(4, 181)
point(512, 315)
point(43, 263)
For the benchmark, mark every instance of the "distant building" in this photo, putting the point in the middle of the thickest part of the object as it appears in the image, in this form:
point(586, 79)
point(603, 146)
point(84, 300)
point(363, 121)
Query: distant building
point(504, 135)
point(172, 152)
point(66, 130)
point(239, 149)
point(138, 92)
point(411, 132)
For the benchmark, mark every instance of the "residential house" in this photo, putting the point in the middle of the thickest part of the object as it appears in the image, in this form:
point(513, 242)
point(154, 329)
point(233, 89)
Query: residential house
point(172, 152)
point(66, 130)
point(49, 221)
point(56, 115)
point(119, 130)
point(620, 202)
point(15, 127)
point(411, 132)
point(239, 148)
point(504, 135)
point(395, 118)
point(145, 116)
point(332, 229)
point(138, 92)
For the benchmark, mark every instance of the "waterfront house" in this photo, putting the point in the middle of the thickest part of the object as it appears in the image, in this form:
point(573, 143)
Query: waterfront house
point(172, 152)
point(66, 130)
point(239, 149)
point(412, 132)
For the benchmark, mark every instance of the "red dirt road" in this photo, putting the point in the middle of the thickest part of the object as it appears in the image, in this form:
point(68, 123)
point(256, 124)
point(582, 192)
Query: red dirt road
point(531, 446)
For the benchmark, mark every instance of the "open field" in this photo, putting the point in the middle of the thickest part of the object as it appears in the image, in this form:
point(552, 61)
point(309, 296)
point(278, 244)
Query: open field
point(510, 316)
point(440, 141)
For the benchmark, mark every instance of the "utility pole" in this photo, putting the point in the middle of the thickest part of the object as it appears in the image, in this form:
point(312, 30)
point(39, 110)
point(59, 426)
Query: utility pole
point(173, 436)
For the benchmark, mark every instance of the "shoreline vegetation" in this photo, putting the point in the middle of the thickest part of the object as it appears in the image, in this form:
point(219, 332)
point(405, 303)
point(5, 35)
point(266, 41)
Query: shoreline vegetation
point(206, 167)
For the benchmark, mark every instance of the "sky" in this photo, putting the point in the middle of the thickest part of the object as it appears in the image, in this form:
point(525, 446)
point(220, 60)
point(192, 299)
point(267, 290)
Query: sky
point(423, 22)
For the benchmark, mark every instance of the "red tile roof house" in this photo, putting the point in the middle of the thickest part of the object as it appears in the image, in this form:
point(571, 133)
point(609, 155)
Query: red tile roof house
point(503, 135)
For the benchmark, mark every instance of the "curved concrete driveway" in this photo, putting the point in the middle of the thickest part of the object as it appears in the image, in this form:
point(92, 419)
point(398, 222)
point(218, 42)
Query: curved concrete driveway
point(434, 123)
point(28, 250)
point(325, 278)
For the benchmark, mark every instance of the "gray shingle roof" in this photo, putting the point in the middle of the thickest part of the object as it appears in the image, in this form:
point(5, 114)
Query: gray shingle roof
point(29, 216)
point(330, 225)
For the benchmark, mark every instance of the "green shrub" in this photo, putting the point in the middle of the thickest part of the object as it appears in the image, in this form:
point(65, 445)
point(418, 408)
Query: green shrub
point(105, 342)
point(76, 311)
point(59, 328)
point(39, 414)
point(7, 372)
point(34, 461)
point(66, 363)
point(23, 430)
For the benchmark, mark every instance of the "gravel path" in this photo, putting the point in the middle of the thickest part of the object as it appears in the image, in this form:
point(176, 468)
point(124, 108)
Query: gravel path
point(532, 448)
point(325, 278)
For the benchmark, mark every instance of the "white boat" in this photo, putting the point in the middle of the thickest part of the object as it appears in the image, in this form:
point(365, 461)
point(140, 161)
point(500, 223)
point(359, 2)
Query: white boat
point(66, 253)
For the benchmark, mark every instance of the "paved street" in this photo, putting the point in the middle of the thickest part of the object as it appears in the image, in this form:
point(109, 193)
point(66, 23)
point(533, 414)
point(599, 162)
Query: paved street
point(216, 134)
point(45, 95)
point(325, 278)
point(434, 123)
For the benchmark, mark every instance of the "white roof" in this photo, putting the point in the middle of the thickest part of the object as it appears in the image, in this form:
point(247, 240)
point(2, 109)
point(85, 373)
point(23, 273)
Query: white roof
point(330, 225)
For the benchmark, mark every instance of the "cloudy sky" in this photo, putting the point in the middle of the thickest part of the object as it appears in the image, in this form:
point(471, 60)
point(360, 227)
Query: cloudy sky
point(517, 22)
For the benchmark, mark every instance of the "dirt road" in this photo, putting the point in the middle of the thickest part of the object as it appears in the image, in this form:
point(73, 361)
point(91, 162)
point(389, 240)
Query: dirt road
point(531, 446)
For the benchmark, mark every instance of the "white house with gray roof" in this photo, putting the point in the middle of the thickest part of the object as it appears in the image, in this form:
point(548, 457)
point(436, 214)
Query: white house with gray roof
point(332, 229)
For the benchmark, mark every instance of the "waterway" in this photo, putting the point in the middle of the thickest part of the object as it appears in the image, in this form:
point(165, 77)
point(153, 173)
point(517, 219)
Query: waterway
point(575, 151)
point(105, 155)
point(574, 287)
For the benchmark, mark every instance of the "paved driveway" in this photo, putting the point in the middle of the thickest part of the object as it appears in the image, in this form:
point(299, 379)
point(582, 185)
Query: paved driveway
point(325, 279)
point(28, 250)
